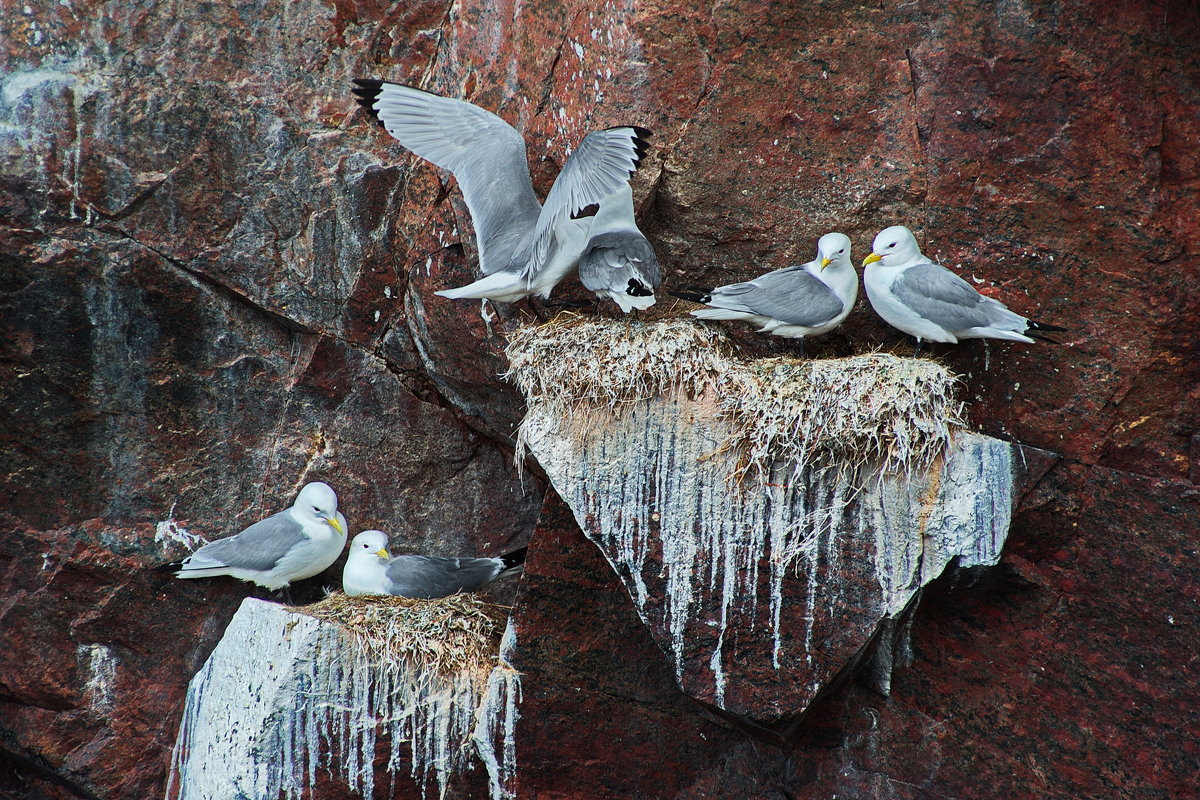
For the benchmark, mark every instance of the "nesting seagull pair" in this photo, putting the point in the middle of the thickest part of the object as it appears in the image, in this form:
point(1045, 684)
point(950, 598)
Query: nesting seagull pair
point(526, 247)
point(308, 537)
point(904, 287)
point(371, 570)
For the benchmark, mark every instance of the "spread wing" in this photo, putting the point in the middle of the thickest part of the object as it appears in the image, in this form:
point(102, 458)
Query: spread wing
point(259, 547)
point(600, 165)
point(485, 153)
point(433, 576)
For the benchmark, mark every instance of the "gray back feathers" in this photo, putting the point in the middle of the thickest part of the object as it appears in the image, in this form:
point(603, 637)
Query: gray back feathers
point(259, 547)
point(612, 259)
point(791, 295)
point(941, 297)
point(428, 577)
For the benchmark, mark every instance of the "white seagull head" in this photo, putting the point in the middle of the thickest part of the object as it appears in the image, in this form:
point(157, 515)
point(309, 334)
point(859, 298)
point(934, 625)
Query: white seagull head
point(317, 504)
point(894, 246)
point(369, 543)
point(834, 248)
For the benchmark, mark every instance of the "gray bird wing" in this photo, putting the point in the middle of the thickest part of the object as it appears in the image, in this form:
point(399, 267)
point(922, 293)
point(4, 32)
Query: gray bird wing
point(612, 259)
point(259, 547)
point(790, 295)
point(486, 155)
point(429, 577)
point(943, 298)
point(603, 162)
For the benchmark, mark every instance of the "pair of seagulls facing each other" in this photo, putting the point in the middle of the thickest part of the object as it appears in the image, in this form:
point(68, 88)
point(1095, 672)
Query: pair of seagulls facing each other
point(905, 288)
point(526, 247)
point(308, 537)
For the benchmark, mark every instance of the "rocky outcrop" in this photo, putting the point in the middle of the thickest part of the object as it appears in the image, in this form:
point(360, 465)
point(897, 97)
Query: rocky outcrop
point(287, 696)
point(217, 276)
point(772, 522)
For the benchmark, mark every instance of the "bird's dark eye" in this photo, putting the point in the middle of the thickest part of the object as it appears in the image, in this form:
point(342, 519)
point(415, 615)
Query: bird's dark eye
point(317, 509)
point(839, 252)
point(893, 244)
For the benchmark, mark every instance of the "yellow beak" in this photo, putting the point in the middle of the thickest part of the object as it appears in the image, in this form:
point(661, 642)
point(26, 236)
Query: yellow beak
point(825, 262)
point(871, 259)
point(337, 526)
point(383, 554)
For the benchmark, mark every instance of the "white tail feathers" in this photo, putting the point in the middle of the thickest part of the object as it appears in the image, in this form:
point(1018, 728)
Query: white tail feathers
point(502, 287)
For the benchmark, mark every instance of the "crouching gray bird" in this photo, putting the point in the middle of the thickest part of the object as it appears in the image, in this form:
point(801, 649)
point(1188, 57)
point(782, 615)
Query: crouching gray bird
point(618, 261)
point(370, 569)
point(793, 302)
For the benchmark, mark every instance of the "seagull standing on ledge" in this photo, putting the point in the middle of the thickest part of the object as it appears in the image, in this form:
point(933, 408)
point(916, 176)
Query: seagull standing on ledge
point(370, 569)
point(793, 302)
point(289, 546)
point(525, 247)
point(930, 302)
point(618, 261)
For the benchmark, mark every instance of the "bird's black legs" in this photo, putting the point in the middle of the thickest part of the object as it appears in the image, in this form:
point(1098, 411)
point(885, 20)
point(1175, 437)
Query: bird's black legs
point(917, 349)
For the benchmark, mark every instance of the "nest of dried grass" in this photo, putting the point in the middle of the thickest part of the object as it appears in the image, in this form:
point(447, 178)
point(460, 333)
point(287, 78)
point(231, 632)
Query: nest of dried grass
point(863, 414)
point(450, 637)
point(869, 412)
point(603, 363)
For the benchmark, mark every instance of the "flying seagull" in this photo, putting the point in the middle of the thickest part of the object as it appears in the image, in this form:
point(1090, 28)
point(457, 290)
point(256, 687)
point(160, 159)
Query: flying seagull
point(525, 247)
point(793, 302)
point(618, 261)
point(370, 569)
point(930, 302)
point(289, 546)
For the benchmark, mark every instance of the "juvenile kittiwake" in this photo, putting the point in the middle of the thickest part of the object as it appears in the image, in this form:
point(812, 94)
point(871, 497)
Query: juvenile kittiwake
point(289, 546)
point(930, 302)
point(618, 261)
point(793, 302)
point(370, 569)
point(525, 248)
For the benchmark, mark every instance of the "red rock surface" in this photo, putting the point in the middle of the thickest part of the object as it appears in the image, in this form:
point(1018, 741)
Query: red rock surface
point(217, 282)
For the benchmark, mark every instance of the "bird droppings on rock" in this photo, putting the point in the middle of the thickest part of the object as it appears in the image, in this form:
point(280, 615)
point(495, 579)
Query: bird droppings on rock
point(766, 517)
point(860, 415)
point(291, 692)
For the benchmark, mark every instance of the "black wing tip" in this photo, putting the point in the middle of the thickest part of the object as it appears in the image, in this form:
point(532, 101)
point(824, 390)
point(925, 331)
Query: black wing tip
point(694, 295)
point(366, 92)
point(640, 135)
point(638, 289)
point(514, 559)
point(173, 568)
point(1043, 326)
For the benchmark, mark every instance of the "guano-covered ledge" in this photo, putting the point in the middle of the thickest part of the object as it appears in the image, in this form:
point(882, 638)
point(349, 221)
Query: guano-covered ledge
point(772, 520)
point(348, 697)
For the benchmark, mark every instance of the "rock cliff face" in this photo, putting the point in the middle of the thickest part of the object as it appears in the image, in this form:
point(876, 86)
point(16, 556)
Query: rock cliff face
point(217, 283)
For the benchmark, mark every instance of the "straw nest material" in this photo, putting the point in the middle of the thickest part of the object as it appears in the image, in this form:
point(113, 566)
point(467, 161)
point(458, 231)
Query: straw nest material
point(449, 637)
point(861, 415)
point(590, 362)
